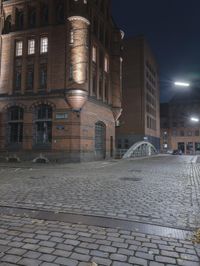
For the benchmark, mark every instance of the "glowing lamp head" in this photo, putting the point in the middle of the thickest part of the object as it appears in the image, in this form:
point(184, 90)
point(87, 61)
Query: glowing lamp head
point(194, 119)
point(181, 84)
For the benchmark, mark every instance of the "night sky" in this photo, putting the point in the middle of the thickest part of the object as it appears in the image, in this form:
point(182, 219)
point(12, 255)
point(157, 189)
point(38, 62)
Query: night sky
point(172, 28)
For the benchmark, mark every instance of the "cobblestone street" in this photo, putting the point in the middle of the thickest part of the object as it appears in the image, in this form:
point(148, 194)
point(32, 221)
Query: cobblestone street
point(160, 191)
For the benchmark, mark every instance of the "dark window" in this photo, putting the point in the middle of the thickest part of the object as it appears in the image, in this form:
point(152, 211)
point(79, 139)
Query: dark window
point(45, 15)
point(43, 124)
point(7, 24)
point(60, 16)
point(30, 78)
point(15, 125)
point(100, 85)
point(43, 77)
point(94, 80)
point(32, 18)
point(19, 19)
point(106, 94)
point(18, 79)
point(95, 26)
point(101, 33)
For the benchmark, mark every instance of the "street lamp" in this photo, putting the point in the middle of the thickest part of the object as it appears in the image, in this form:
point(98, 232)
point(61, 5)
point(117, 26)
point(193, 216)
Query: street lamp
point(181, 84)
point(194, 119)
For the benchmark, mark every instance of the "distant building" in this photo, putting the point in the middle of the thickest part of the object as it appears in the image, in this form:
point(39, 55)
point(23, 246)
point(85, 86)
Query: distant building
point(60, 79)
point(140, 118)
point(178, 132)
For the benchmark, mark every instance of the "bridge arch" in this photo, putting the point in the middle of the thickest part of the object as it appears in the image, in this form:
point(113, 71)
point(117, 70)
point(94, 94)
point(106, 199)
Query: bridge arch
point(140, 149)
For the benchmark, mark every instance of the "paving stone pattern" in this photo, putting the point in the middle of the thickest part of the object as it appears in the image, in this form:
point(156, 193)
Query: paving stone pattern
point(25, 241)
point(162, 190)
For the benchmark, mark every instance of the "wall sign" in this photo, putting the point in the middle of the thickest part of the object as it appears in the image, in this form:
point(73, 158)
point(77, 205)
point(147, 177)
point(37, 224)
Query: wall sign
point(60, 116)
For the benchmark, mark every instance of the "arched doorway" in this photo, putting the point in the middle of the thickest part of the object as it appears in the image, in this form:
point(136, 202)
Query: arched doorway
point(100, 140)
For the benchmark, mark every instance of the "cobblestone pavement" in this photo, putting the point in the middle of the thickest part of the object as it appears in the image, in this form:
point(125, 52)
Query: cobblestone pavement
point(31, 242)
point(162, 190)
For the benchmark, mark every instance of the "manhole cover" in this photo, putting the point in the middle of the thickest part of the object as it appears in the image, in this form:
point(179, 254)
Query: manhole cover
point(132, 179)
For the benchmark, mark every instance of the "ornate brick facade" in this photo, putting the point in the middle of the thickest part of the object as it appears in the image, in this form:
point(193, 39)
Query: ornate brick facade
point(60, 80)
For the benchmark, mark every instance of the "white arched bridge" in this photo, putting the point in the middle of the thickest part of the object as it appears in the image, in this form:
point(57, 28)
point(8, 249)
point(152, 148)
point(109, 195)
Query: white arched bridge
point(140, 149)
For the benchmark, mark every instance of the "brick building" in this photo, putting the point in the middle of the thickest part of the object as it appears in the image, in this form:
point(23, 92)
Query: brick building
point(140, 119)
point(60, 80)
point(178, 132)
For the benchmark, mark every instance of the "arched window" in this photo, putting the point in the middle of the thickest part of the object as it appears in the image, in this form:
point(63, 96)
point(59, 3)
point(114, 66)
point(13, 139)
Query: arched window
point(60, 17)
point(7, 24)
point(32, 17)
point(43, 124)
point(15, 125)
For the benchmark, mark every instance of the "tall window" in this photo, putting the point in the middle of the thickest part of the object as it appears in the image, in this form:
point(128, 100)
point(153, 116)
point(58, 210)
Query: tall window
point(60, 16)
point(18, 79)
point(43, 45)
point(7, 24)
point(31, 47)
point(32, 18)
point(72, 36)
point(43, 125)
point(106, 93)
point(15, 125)
point(45, 15)
point(30, 78)
point(19, 19)
point(94, 80)
point(106, 64)
point(43, 77)
point(19, 48)
point(101, 85)
point(94, 54)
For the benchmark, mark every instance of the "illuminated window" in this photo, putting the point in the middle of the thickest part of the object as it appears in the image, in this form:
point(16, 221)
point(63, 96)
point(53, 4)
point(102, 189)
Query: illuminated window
point(71, 37)
point(43, 45)
point(31, 47)
point(94, 54)
point(106, 64)
point(19, 48)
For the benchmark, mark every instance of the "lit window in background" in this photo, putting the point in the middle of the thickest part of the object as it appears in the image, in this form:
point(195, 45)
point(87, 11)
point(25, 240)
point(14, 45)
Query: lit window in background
point(106, 64)
point(44, 45)
point(94, 54)
point(19, 48)
point(31, 47)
